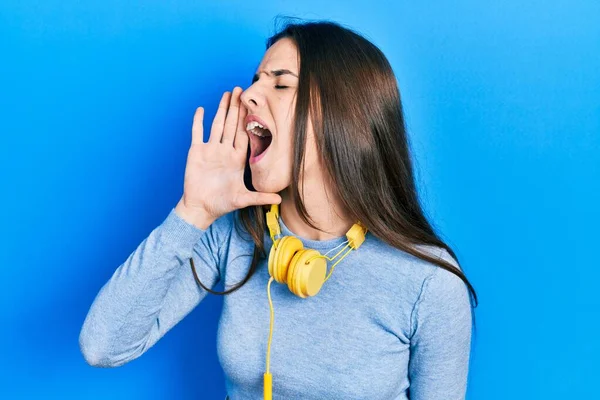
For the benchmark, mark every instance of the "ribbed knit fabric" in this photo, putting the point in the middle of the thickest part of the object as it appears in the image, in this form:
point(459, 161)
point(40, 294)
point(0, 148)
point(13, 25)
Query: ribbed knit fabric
point(385, 326)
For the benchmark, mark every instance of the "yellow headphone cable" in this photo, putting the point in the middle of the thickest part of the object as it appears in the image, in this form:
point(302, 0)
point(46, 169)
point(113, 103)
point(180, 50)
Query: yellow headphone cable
point(303, 270)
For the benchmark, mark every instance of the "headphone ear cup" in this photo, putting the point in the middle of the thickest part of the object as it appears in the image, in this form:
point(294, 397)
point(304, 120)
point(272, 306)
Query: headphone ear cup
point(306, 278)
point(286, 249)
point(291, 276)
point(271, 263)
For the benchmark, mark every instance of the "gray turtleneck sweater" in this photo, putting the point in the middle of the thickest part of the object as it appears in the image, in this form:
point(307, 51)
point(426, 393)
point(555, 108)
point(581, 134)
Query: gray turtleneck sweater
point(385, 325)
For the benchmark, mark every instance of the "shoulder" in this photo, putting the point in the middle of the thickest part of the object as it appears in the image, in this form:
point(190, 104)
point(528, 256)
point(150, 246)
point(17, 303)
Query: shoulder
point(446, 282)
point(443, 297)
point(425, 280)
point(407, 268)
point(438, 282)
point(426, 290)
point(431, 273)
point(413, 274)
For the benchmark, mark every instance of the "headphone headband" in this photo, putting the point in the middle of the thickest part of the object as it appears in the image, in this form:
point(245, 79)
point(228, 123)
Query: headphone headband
point(355, 235)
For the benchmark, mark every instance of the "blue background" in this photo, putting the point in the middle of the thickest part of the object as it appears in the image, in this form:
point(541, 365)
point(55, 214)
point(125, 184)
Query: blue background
point(502, 103)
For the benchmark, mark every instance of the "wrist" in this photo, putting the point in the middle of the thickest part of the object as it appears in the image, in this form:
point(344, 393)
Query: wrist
point(195, 216)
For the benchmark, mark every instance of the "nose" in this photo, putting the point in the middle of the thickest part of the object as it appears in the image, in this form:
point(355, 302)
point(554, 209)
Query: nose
point(251, 98)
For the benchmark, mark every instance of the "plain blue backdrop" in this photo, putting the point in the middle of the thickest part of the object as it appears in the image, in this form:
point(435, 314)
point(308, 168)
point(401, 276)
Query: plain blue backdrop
point(502, 102)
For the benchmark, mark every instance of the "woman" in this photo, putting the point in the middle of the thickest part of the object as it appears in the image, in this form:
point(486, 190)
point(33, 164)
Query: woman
point(328, 152)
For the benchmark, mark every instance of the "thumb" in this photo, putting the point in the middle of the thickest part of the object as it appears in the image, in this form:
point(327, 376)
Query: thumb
point(259, 198)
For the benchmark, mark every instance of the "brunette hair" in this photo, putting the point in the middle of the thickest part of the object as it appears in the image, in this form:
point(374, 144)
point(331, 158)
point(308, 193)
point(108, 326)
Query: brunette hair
point(350, 89)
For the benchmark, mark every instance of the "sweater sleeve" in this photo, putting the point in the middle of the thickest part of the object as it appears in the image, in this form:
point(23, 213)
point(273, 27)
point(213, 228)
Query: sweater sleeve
point(441, 339)
point(152, 290)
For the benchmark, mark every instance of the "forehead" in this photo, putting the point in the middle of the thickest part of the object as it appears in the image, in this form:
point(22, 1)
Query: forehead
point(282, 54)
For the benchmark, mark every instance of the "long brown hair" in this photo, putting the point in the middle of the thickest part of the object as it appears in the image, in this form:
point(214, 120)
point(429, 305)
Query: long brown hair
point(349, 87)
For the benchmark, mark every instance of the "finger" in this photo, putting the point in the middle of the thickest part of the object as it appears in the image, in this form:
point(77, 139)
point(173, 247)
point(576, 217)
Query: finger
point(241, 137)
point(217, 127)
point(258, 198)
point(232, 117)
point(197, 129)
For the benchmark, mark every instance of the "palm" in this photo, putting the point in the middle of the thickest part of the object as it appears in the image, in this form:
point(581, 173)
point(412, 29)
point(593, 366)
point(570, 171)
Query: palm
point(216, 177)
point(214, 174)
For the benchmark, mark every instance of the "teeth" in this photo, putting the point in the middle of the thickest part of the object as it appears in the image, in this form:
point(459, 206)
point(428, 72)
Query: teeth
point(253, 124)
point(251, 128)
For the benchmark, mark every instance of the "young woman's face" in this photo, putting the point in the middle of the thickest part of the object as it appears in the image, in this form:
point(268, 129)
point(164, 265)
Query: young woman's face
point(272, 98)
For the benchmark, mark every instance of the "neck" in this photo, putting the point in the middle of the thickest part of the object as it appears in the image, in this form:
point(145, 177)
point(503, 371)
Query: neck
point(322, 207)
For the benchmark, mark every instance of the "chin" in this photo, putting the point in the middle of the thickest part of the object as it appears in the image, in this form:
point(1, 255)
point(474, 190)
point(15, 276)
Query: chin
point(268, 185)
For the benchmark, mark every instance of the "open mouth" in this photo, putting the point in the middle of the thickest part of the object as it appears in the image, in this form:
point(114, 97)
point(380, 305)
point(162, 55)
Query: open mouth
point(260, 139)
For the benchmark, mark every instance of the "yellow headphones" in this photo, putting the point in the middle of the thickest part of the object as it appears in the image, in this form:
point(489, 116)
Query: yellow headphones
point(303, 270)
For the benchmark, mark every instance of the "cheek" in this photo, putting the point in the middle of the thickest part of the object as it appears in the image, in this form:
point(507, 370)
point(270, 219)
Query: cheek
point(284, 160)
point(283, 144)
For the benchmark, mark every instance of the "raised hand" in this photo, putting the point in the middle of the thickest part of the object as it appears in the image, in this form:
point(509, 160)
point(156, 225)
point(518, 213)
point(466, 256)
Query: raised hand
point(214, 172)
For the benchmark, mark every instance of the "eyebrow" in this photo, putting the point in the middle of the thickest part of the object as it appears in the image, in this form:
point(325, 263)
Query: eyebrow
point(275, 72)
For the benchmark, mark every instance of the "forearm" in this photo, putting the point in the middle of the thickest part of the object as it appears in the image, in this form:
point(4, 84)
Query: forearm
point(125, 310)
